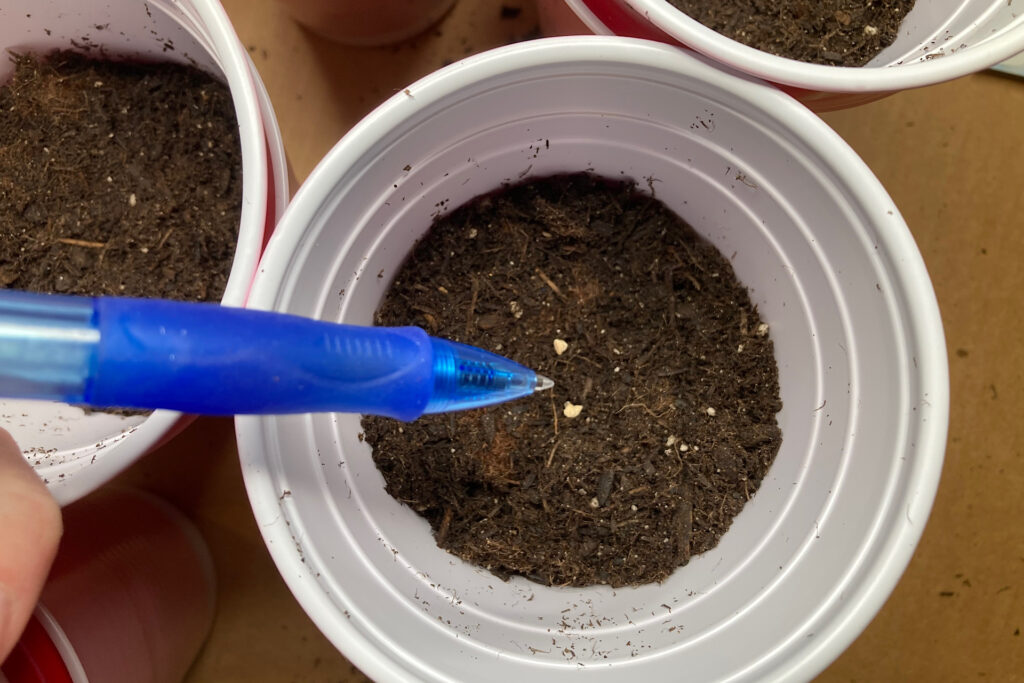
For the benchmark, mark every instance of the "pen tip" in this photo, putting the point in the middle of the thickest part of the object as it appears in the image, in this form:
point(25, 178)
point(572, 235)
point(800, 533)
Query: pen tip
point(543, 383)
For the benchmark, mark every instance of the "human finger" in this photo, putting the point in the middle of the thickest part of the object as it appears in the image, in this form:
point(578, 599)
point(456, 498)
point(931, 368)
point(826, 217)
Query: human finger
point(30, 529)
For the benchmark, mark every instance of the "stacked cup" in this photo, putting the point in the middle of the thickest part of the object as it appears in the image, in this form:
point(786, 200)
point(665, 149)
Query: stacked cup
point(832, 269)
point(939, 40)
point(73, 451)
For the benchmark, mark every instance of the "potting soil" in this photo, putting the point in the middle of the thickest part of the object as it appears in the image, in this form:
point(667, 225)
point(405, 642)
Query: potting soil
point(661, 424)
point(832, 32)
point(117, 178)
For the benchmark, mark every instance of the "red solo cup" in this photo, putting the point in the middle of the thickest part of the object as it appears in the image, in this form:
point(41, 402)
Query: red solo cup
point(968, 35)
point(130, 598)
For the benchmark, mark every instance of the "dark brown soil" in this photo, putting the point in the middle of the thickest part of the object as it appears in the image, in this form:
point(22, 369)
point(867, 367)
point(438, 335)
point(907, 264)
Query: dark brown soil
point(666, 355)
point(833, 32)
point(117, 179)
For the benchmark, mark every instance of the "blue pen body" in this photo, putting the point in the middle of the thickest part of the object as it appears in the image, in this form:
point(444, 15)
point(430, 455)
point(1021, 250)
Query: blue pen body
point(211, 360)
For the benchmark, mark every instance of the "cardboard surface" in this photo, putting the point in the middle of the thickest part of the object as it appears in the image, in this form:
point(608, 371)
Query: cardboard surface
point(950, 156)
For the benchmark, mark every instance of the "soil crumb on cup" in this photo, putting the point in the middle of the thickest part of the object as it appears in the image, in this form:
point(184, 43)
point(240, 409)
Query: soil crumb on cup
point(835, 33)
point(117, 178)
point(648, 475)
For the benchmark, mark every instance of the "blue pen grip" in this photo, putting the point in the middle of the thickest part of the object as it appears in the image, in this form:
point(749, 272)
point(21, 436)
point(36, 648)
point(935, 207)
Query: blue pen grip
point(212, 360)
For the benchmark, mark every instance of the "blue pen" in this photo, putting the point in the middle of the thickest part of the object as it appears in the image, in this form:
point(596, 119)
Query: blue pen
point(206, 359)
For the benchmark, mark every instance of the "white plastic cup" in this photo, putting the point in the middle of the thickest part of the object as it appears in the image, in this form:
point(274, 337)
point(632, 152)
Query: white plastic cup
point(939, 40)
point(830, 265)
point(130, 598)
point(73, 452)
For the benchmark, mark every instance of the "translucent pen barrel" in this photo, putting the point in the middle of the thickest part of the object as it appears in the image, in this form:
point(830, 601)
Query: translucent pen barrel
point(47, 346)
point(469, 377)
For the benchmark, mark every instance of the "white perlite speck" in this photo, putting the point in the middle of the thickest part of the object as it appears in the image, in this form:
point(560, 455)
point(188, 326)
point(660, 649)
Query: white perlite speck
point(761, 330)
point(132, 201)
point(560, 346)
point(571, 410)
point(710, 411)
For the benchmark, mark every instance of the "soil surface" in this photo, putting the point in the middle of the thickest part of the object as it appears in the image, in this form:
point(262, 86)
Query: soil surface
point(663, 361)
point(832, 32)
point(117, 178)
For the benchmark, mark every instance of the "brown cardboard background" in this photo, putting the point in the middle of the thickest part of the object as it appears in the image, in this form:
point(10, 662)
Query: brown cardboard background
point(951, 156)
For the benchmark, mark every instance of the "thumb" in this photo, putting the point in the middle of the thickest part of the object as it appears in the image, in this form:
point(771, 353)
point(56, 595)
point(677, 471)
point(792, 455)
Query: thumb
point(30, 529)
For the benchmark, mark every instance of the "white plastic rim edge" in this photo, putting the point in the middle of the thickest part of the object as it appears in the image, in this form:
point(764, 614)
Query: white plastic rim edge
point(63, 644)
point(588, 17)
point(912, 277)
point(237, 69)
point(816, 76)
point(279, 177)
